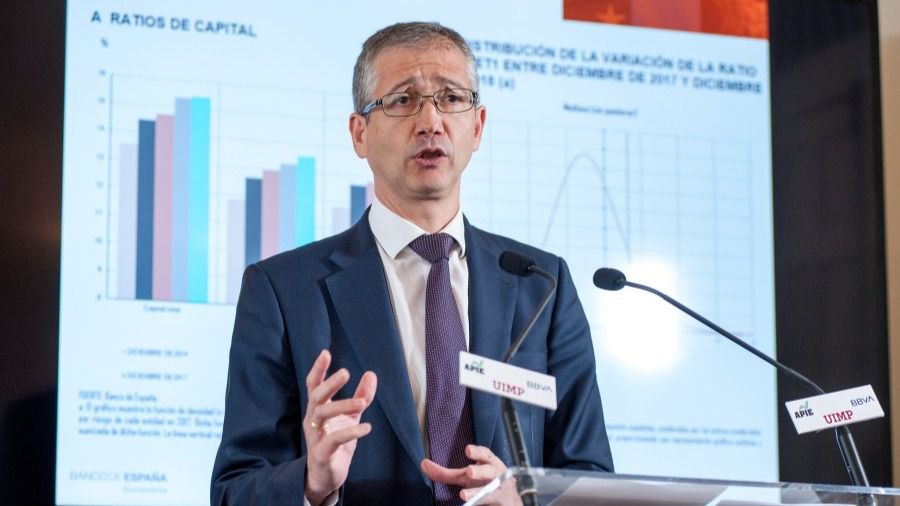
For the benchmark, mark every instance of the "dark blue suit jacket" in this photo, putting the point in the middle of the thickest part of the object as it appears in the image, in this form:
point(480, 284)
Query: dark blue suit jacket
point(333, 294)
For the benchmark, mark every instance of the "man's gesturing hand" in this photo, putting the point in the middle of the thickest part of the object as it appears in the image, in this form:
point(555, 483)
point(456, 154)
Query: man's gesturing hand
point(331, 428)
point(474, 476)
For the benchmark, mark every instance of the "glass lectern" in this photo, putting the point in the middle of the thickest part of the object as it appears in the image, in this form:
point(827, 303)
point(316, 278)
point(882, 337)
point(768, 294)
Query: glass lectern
point(559, 487)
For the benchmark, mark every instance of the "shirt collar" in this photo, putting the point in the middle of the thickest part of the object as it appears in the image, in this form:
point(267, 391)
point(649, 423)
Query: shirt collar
point(394, 232)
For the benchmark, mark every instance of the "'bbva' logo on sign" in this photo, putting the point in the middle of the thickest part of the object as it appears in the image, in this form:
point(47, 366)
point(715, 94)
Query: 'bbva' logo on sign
point(803, 411)
point(859, 401)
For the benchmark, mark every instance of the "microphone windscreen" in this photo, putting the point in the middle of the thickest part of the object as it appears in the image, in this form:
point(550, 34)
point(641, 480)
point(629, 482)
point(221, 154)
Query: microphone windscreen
point(517, 264)
point(608, 278)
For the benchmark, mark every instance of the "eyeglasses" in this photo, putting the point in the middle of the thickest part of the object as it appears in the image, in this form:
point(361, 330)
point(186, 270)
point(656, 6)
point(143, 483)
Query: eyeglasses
point(451, 100)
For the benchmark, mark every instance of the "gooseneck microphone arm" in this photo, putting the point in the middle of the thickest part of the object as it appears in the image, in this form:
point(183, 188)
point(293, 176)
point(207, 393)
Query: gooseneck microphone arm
point(519, 265)
point(525, 271)
point(612, 279)
point(733, 338)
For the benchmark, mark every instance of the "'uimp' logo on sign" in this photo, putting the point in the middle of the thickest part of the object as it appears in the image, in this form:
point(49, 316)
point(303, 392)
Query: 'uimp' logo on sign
point(840, 416)
point(505, 388)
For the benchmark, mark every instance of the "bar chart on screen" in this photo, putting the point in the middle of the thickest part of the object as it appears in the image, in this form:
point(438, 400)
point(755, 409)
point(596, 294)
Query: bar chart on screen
point(212, 177)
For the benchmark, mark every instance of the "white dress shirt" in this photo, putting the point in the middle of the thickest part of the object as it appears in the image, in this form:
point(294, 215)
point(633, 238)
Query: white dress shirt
point(407, 273)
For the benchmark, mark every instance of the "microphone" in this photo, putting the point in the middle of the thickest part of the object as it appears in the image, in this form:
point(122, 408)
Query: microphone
point(613, 279)
point(609, 279)
point(520, 265)
point(517, 264)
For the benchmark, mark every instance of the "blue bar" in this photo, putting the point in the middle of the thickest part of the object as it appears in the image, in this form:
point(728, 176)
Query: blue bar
point(180, 187)
point(305, 217)
point(253, 221)
point(144, 265)
point(198, 203)
point(287, 206)
point(357, 203)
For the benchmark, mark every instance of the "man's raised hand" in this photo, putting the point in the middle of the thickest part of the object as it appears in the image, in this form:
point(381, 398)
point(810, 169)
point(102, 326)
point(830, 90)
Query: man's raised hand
point(331, 427)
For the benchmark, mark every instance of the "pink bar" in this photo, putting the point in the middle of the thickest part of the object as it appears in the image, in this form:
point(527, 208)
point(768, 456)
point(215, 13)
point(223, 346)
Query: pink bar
point(370, 193)
point(127, 229)
point(162, 207)
point(235, 255)
point(269, 216)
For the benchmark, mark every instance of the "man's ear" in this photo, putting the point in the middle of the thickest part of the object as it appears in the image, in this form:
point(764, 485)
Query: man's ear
point(358, 131)
point(480, 116)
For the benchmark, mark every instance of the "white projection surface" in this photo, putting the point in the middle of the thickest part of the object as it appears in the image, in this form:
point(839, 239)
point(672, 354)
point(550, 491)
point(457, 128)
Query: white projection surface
point(608, 145)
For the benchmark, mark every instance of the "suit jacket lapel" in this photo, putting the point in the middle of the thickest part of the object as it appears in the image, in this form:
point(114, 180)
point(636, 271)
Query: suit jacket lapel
point(363, 305)
point(492, 303)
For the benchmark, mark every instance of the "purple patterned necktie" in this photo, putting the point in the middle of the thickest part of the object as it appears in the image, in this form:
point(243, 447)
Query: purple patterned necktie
point(447, 410)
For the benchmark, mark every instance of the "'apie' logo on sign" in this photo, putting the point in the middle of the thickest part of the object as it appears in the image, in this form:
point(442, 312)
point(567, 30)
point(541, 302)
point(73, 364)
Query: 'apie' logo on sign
point(803, 411)
point(476, 366)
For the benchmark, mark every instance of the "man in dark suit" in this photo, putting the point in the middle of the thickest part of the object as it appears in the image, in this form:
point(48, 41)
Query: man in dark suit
point(390, 303)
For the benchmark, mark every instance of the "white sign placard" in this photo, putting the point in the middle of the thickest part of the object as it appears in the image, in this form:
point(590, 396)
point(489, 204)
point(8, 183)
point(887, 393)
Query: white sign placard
point(506, 380)
point(835, 409)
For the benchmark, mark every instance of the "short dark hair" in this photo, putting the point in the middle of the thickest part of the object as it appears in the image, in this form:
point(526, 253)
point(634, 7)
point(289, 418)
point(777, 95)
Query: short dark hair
point(414, 35)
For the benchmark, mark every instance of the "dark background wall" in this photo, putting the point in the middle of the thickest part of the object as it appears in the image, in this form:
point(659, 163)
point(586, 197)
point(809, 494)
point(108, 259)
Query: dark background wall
point(829, 223)
point(31, 70)
point(828, 205)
